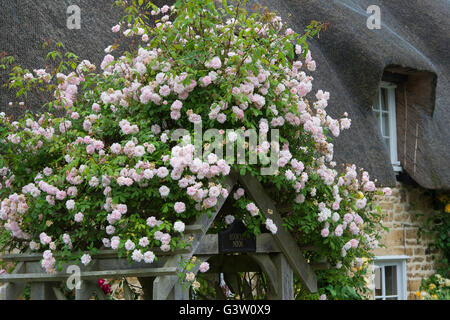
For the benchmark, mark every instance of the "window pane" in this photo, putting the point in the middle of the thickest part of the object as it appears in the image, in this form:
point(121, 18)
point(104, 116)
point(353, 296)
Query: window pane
point(378, 282)
point(382, 115)
point(392, 298)
point(385, 124)
point(384, 99)
point(391, 280)
point(387, 144)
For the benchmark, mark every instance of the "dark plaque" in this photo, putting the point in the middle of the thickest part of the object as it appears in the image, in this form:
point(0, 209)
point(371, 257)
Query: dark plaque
point(233, 239)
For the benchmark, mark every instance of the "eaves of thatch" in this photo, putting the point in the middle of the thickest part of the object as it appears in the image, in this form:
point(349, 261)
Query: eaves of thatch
point(413, 42)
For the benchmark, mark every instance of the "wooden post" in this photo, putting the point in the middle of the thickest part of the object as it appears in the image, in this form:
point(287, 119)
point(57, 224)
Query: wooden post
point(10, 290)
point(285, 283)
point(178, 293)
point(42, 291)
point(86, 290)
point(163, 285)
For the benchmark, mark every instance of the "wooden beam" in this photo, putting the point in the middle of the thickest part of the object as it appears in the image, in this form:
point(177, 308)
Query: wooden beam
point(108, 259)
point(88, 275)
point(210, 244)
point(163, 285)
point(11, 291)
point(284, 239)
point(285, 279)
point(101, 254)
point(194, 228)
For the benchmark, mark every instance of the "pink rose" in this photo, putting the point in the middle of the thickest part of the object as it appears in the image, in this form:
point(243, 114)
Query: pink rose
point(79, 217)
point(179, 207)
point(116, 28)
point(387, 191)
point(204, 267)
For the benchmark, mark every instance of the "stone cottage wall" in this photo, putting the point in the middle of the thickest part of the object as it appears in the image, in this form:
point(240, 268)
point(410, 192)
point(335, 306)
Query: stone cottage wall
point(400, 209)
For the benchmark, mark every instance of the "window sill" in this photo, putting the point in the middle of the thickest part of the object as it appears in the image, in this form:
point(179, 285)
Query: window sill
point(397, 168)
point(386, 258)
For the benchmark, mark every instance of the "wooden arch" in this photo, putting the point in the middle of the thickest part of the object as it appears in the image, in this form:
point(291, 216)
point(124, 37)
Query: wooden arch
point(277, 255)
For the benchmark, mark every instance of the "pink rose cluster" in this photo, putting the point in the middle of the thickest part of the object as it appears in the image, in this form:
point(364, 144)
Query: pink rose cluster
point(142, 96)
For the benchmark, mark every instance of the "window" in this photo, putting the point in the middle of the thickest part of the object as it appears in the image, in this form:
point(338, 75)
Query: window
point(384, 110)
point(390, 278)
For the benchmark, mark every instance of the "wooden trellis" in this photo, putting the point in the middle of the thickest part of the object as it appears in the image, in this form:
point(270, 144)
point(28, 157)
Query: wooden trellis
point(278, 256)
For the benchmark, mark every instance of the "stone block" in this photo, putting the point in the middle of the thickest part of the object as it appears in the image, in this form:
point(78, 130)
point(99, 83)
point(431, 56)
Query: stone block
point(399, 208)
point(394, 237)
point(386, 206)
point(413, 285)
point(411, 233)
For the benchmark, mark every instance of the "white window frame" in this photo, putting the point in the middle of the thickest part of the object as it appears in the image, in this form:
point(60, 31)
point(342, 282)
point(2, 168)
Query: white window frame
point(400, 263)
point(390, 87)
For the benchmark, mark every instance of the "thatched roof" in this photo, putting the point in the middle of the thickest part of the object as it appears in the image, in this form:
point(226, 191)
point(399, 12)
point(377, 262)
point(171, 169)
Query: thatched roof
point(351, 60)
point(26, 24)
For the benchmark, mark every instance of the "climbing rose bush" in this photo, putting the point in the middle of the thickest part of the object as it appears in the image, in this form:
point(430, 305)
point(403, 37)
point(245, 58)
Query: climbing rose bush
point(101, 168)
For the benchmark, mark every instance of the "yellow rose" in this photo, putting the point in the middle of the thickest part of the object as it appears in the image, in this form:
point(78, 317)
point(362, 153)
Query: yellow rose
point(435, 296)
point(432, 286)
point(447, 208)
point(196, 285)
point(190, 276)
point(418, 293)
point(423, 295)
point(360, 194)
